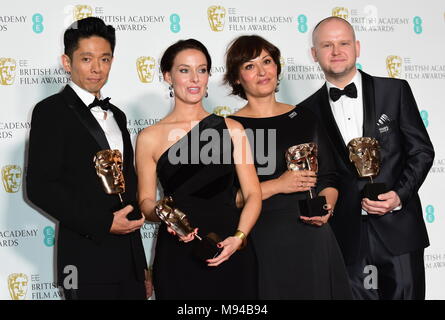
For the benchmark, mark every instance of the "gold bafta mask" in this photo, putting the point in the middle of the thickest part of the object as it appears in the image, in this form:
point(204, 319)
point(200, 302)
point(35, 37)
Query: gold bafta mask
point(222, 111)
point(302, 157)
point(217, 18)
point(394, 66)
point(82, 11)
point(146, 69)
point(364, 153)
point(12, 178)
point(341, 12)
point(7, 71)
point(173, 217)
point(18, 286)
point(108, 164)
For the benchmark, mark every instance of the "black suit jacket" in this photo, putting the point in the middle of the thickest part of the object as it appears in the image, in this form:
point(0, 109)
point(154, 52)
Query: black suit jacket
point(62, 181)
point(406, 157)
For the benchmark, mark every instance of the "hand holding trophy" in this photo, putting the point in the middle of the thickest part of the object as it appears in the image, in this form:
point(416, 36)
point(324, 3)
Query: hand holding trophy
point(364, 153)
point(304, 157)
point(108, 164)
point(177, 220)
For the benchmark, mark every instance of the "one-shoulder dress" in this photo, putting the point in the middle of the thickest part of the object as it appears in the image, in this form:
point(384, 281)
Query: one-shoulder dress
point(199, 173)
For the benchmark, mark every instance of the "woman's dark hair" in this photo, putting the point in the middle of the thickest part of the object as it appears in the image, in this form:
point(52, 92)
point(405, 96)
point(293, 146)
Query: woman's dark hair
point(241, 50)
point(170, 54)
point(86, 28)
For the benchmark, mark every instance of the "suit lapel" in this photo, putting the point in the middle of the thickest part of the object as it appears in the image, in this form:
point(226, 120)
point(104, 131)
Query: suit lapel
point(331, 125)
point(369, 120)
point(122, 123)
point(85, 116)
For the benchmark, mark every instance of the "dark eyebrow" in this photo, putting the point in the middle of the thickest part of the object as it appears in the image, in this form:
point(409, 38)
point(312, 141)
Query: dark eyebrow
point(90, 54)
point(186, 65)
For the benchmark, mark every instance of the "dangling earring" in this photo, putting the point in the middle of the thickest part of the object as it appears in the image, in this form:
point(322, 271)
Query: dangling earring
point(207, 92)
point(171, 91)
point(277, 87)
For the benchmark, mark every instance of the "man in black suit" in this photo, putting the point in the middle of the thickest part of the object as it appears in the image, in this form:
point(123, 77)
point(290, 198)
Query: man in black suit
point(382, 241)
point(99, 248)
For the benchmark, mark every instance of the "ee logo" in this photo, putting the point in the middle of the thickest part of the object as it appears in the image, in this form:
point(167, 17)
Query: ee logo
point(174, 23)
point(302, 23)
point(37, 25)
point(429, 214)
point(417, 25)
point(424, 116)
point(49, 234)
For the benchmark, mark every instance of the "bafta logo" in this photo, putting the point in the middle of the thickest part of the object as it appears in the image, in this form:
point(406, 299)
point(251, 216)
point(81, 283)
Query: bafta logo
point(394, 66)
point(341, 12)
point(146, 69)
point(217, 18)
point(7, 71)
point(222, 111)
point(18, 286)
point(82, 11)
point(12, 178)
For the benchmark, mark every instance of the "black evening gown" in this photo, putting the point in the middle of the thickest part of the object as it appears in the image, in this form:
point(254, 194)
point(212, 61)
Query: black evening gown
point(295, 260)
point(205, 192)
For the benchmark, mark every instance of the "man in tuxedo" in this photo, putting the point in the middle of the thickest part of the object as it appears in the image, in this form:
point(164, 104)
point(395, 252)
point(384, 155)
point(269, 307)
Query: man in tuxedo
point(382, 241)
point(99, 248)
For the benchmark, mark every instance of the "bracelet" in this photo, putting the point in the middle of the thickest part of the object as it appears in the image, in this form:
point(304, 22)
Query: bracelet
point(242, 236)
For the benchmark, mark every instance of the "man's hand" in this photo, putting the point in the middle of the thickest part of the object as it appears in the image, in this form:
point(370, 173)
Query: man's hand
point(121, 225)
point(389, 201)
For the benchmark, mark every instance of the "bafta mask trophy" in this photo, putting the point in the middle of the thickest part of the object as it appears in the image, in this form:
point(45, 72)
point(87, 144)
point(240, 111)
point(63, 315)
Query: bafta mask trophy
point(304, 157)
point(206, 247)
point(364, 152)
point(108, 164)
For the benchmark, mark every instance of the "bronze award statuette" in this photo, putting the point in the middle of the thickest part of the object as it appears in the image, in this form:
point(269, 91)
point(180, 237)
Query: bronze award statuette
point(205, 247)
point(108, 165)
point(364, 153)
point(304, 157)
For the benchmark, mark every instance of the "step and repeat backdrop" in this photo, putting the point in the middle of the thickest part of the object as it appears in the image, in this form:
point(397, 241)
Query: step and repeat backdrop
point(399, 39)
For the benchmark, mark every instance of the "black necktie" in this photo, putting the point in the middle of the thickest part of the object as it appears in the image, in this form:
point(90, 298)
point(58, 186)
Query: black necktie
point(350, 90)
point(104, 104)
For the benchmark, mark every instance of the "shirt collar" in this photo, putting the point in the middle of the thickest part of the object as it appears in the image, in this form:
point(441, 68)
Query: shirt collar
point(86, 97)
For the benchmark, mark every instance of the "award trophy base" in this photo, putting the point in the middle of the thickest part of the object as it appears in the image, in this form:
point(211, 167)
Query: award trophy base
point(313, 207)
point(206, 247)
point(372, 190)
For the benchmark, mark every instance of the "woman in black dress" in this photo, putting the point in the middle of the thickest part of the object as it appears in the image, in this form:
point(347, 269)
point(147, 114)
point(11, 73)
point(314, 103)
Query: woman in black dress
point(298, 256)
point(191, 153)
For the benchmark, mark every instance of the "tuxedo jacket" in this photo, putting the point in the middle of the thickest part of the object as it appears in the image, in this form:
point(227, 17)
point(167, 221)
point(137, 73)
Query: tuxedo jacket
point(390, 115)
point(62, 181)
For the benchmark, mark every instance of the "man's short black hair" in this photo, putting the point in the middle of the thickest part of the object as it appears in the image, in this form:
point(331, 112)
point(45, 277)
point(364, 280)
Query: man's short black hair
point(86, 28)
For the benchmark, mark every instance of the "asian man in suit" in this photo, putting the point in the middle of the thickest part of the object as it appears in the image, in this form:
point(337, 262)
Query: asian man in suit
point(99, 246)
point(386, 237)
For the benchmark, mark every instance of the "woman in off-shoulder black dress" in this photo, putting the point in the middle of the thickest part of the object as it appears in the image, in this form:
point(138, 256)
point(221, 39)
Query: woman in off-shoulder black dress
point(298, 257)
point(192, 153)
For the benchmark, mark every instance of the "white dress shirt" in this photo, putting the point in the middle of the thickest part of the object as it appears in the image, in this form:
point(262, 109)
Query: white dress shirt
point(105, 119)
point(348, 112)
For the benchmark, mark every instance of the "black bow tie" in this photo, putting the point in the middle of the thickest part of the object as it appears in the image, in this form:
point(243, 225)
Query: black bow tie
point(350, 90)
point(104, 104)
